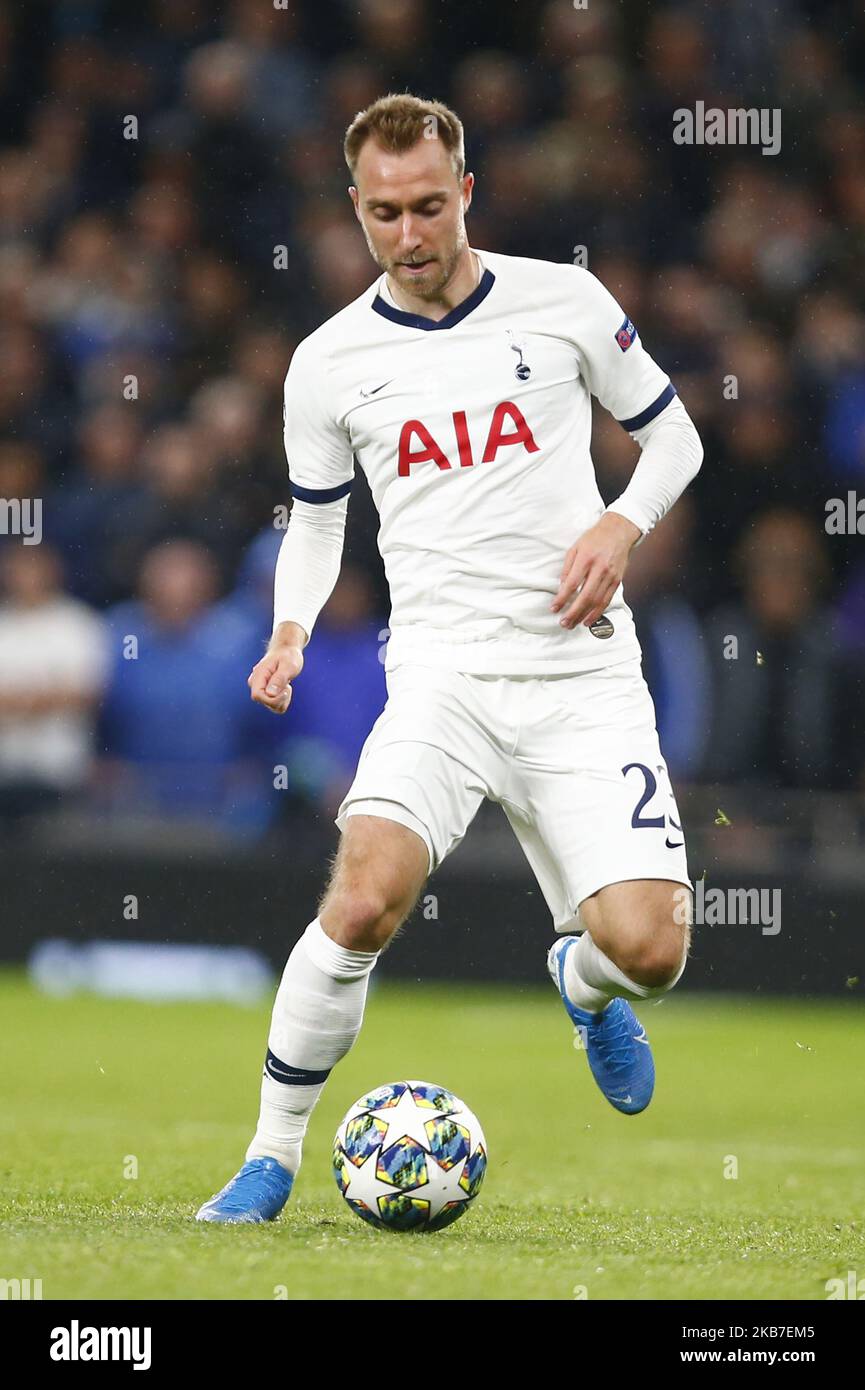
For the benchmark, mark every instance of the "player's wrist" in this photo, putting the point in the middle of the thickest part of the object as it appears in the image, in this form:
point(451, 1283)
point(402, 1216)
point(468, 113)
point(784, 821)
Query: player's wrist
point(629, 530)
point(288, 636)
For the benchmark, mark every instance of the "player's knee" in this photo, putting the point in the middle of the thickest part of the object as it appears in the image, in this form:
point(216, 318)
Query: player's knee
point(358, 919)
point(656, 956)
point(362, 912)
point(659, 966)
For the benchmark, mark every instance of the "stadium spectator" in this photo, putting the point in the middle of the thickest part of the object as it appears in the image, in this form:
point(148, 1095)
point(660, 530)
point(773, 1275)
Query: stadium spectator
point(180, 497)
point(787, 694)
point(53, 655)
point(106, 483)
point(22, 474)
point(177, 724)
point(282, 87)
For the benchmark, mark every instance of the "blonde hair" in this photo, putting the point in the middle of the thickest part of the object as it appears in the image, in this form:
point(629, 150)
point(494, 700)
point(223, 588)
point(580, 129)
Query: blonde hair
point(398, 121)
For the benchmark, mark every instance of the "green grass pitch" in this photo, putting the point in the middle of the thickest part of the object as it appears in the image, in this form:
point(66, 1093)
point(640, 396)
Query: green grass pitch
point(578, 1200)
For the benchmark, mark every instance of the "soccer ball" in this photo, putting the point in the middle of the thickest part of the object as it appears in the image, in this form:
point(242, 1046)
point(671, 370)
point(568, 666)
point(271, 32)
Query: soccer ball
point(409, 1156)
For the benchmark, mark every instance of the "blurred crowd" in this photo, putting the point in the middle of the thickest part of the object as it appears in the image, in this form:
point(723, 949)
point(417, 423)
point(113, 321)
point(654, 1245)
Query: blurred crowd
point(174, 218)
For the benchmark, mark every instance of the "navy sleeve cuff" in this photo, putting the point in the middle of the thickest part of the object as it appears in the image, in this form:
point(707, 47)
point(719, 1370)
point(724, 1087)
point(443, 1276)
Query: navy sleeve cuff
point(645, 416)
point(320, 494)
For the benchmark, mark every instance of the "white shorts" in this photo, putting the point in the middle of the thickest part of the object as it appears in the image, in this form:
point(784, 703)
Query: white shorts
point(574, 760)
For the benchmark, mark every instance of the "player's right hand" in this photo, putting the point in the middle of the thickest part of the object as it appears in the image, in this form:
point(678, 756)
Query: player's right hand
point(270, 680)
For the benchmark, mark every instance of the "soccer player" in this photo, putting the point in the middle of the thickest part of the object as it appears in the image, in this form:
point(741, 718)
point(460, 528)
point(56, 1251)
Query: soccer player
point(461, 381)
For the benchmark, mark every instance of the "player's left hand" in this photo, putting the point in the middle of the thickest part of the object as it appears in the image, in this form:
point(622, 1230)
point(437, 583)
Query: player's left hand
point(593, 569)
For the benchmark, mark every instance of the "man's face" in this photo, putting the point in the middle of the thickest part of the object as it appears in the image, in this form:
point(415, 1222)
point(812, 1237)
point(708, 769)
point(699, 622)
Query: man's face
point(412, 209)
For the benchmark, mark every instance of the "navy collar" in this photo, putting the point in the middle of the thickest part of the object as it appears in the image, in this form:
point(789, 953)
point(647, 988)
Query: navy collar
point(478, 294)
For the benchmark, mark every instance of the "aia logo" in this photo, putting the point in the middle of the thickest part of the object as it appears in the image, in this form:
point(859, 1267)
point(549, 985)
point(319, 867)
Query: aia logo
point(508, 427)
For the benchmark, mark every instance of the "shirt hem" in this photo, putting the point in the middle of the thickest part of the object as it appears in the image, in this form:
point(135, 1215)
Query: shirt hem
point(472, 659)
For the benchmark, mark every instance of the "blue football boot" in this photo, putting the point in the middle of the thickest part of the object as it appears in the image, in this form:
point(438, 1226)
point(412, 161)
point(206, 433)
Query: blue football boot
point(257, 1193)
point(619, 1053)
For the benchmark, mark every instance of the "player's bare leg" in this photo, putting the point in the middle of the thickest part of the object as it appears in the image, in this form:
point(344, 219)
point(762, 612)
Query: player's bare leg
point(634, 947)
point(641, 928)
point(378, 873)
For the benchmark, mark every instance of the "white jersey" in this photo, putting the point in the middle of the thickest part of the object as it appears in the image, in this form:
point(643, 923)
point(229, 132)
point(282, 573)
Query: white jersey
point(474, 434)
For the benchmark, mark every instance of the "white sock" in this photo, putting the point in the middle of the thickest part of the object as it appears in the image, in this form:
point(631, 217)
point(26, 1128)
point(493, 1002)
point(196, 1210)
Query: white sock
point(316, 1018)
point(592, 979)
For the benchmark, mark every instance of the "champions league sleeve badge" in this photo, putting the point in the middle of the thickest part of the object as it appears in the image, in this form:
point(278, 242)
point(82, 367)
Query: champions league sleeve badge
point(626, 335)
point(521, 371)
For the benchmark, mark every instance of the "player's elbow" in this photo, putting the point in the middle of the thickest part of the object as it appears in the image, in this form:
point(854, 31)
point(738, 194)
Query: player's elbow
point(690, 446)
point(696, 450)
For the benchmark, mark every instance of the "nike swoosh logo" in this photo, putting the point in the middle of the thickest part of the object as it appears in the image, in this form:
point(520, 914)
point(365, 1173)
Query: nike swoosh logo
point(641, 1037)
point(677, 845)
point(281, 1071)
point(625, 1100)
point(375, 390)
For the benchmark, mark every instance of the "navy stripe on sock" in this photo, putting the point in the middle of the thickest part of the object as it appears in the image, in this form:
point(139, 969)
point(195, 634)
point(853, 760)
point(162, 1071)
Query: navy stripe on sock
point(292, 1076)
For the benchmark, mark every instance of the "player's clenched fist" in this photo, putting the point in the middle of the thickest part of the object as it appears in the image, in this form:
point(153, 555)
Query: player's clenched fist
point(270, 680)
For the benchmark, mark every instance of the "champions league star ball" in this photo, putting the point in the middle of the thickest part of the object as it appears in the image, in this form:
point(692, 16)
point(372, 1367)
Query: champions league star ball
point(409, 1156)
